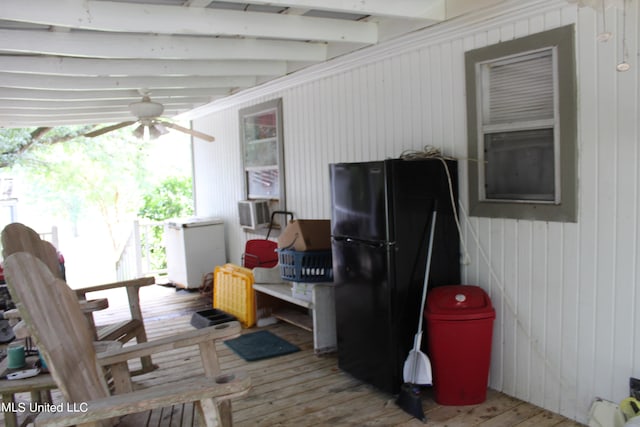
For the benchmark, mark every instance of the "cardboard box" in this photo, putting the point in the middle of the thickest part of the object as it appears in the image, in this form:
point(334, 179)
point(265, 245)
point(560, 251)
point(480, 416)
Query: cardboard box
point(306, 235)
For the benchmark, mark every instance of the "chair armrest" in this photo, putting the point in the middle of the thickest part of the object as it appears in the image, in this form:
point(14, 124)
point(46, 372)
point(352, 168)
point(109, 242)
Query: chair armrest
point(222, 387)
point(12, 314)
point(135, 283)
point(131, 286)
point(89, 306)
point(105, 346)
point(21, 330)
point(222, 331)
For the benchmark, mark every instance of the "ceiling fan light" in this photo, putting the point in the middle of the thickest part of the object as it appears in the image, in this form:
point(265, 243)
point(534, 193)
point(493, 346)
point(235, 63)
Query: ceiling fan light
point(146, 109)
point(139, 132)
point(156, 131)
point(161, 128)
point(153, 133)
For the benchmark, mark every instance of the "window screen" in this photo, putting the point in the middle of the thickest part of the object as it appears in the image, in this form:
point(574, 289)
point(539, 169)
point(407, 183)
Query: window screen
point(520, 165)
point(518, 126)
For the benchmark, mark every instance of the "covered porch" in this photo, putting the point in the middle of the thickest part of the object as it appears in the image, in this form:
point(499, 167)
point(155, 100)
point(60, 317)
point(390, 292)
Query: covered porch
point(299, 389)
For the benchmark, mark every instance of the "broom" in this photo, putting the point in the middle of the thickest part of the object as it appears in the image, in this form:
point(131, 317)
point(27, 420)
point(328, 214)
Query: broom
point(417, 367)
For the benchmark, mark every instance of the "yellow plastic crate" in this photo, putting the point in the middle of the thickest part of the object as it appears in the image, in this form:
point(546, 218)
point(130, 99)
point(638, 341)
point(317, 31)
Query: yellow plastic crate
point(233, 293)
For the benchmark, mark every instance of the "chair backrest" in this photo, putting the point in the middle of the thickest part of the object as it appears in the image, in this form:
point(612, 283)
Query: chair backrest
point(17, 237)
point(260, 253)
point(52, 313)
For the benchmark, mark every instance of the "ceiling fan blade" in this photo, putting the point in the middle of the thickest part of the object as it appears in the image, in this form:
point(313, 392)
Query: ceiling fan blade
point(106, 129)
point(191, 132)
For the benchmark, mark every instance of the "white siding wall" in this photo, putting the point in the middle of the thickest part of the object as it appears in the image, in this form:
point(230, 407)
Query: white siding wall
point(565, 294)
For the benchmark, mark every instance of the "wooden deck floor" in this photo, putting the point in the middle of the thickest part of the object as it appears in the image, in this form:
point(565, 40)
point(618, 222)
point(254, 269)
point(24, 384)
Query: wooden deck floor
point(302, 389)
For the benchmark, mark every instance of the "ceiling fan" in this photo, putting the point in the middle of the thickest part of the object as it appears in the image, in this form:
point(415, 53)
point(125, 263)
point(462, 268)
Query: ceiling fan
point(147, 114)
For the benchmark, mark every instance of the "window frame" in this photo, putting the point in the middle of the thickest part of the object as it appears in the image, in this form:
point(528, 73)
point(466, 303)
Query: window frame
point(560, 42)
point(274, 141)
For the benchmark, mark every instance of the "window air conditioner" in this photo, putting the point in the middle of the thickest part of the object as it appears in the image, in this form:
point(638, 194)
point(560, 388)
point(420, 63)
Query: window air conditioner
point(253, 214)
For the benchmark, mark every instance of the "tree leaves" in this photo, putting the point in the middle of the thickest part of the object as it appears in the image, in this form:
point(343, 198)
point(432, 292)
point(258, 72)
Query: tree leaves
point(16, 144)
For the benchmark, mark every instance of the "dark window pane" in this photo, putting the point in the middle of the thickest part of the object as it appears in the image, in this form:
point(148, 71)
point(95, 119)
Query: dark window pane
point(520, 165)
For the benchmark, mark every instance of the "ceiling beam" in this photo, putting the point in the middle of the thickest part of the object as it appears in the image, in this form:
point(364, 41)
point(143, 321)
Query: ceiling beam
point(115, 115)
point(164, 19)
point(62, 121)
point(134, 46)
point(433, 10)
point(45, 82)
point(197, 3)
point(143, 67)
point(8, 112)
point(25, 104)
point(124, 94)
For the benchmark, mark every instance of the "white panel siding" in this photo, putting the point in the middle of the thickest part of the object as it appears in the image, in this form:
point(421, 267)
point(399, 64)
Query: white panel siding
point(565, 294)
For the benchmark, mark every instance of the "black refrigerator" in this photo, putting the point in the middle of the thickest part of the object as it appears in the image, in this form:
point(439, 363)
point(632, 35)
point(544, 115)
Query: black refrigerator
point(380, 225)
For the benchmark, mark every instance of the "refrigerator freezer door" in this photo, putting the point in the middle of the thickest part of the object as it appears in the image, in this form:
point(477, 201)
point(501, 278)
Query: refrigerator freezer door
point(415, 187)
point(359, 200)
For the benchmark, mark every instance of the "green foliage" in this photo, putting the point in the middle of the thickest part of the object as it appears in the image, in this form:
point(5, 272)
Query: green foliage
point(18, 145)
point(67, 177)
point(172, 198)
point(102, 173)
point(10, 141)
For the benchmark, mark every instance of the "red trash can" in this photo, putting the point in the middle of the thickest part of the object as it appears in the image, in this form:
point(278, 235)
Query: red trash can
point(459, 329)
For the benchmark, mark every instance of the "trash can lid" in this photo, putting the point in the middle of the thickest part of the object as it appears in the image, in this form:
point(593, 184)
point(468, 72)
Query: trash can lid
point(458, 302)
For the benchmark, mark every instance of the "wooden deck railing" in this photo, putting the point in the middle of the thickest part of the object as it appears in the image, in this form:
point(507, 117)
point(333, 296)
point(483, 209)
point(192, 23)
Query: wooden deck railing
point(136, 258)
point(50, 236)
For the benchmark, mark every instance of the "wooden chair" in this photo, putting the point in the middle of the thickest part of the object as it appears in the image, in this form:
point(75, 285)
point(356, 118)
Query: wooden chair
point(53, 314)
point(17, 237)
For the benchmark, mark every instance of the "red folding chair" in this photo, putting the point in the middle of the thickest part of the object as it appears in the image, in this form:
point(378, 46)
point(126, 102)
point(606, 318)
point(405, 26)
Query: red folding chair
point(263, 252)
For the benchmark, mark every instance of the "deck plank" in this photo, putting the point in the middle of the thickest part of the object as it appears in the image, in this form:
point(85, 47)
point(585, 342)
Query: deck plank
point(514, 416)
point(546, 419)
point(299, 389)
point(495, 405)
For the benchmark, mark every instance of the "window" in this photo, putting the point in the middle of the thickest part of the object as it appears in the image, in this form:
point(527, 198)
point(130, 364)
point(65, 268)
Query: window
point(521, 106)
point(263, 158)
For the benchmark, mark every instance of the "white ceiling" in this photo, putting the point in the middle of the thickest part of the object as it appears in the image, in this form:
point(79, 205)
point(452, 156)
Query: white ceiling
point(84, 61)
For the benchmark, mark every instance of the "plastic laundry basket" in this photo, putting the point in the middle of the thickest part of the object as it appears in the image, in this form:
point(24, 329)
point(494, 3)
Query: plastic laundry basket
point(459, 331)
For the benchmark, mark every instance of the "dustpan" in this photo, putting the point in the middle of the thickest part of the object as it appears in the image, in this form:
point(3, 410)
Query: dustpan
point(262, 252)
